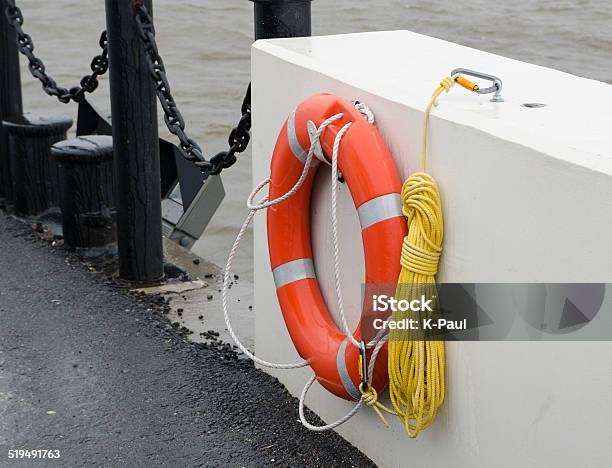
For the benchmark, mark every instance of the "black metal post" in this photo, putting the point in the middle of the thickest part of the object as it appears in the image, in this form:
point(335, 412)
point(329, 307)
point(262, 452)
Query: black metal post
point(282, 18)
point(34, 171)
point(135, 146)
point(87, 186)
point(10, 95)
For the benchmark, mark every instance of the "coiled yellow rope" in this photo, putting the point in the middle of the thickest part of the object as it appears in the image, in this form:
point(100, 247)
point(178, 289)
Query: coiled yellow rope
point(416, 364)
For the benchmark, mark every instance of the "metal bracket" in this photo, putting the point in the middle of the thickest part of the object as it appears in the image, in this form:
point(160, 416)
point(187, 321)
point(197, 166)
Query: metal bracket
point(188, 203)
point(191, 204)
point(185, 224)
point(90, 121)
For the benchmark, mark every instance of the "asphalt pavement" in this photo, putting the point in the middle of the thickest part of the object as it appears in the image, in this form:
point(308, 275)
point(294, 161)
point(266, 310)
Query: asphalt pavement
point(97, 373)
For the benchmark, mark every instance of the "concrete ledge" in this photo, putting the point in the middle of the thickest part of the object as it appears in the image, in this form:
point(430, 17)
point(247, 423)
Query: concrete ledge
point(527, 194)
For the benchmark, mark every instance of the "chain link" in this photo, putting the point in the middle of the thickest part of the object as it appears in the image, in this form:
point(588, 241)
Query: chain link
point(239, 137)
point(88, 84)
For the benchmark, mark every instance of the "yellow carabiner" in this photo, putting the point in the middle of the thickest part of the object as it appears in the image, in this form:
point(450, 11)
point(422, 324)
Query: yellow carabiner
point(465, 83)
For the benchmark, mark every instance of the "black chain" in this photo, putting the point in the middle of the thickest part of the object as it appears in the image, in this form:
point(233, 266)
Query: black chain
point(239, 136)
point(238, 139)
point(88, 84)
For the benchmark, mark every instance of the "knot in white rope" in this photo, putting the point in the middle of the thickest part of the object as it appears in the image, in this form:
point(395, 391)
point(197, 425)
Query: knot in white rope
point(364, 111)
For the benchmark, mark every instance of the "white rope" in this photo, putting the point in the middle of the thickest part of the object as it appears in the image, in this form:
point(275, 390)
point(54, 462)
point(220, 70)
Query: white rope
point(365, 111)
point(254, 207)
point(224, 302)
point(334, 218)
point(325, 427)
point(353, 411)
point(264, 203)
point(336, 244)
point(347, 331)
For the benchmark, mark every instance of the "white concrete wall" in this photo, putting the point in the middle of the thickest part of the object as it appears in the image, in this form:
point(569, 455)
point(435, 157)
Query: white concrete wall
point(527, 196)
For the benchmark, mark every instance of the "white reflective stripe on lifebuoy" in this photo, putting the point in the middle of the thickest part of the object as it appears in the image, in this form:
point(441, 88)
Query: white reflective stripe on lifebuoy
point(345, 378)
point(292, 271)
point(380, 209)
point(294, 144)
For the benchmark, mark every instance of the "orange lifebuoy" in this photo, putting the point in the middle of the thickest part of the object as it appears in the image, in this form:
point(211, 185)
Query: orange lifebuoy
point(368, 169)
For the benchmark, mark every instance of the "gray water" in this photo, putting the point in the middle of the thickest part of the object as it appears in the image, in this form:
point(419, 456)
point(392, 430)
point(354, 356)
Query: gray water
point(205, 45)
